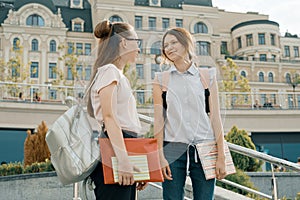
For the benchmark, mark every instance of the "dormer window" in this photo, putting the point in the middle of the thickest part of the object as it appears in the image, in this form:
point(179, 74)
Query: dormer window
point(76, 4)
point(35, 20)
point(154, 3)
point(77, 25)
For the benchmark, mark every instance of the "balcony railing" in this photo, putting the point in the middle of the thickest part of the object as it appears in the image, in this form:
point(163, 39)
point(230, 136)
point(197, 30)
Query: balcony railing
point(228, 100)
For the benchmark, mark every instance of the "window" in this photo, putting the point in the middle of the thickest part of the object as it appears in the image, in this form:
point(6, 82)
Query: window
point(263, 98)
point(15, 71)
point(152, 23)
point(287, 51)
point(224, 48)
point(79, 48)
point(154, 68)
point(273, 98)
point(69, 73)
point(263, 57)
point(52, 70)
point(273, 39)
point(273, 57)
point(165, 23)
point(138, 22)
point(290, 101)
point(16, 44)
point(296, 52)
point(76, 2)
point(261, 39)
point(140, 71)
point(140, 95)
point(288, 78)
point(141, 46)
point(271, 77)
point(243, 73)
point(239, 42)
point(34, 70)
point(155, 48)
point(200, 28)
point(70, 47)
point(35, 20)
point(52, 46)
point(203, 48)
point(88, 72)
point(249, 40)
point(87, 48)
point(115, 18)
point(79, 72)
point(34, 45)
point(179, 23)
point(261, 77)
point(78, 27)
point(52, 94)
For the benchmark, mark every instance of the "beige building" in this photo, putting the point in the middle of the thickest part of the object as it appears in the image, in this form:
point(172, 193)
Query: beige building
point(254, 42)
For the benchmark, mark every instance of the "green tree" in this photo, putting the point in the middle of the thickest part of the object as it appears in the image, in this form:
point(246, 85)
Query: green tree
point(132, 77)
point(70, 59)
point(2, 70)
point(232, 81)
point(245, 163)
point(15, 71)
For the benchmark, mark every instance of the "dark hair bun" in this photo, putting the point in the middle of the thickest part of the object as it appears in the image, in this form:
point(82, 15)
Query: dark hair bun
point(102, 29)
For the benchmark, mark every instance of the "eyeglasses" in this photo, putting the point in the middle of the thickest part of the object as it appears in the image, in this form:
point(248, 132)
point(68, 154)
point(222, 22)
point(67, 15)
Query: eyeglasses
point(139, 41)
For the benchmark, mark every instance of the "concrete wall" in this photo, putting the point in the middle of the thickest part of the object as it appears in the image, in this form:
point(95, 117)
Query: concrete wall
point(288, 183)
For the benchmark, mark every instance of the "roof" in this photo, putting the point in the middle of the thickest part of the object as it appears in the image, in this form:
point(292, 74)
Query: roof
point(254, 22)
point(176, 3)
point(67, 13)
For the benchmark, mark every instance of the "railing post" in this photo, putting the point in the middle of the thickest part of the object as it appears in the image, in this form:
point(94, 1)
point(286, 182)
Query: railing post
point(76, 192)
point(274, 185)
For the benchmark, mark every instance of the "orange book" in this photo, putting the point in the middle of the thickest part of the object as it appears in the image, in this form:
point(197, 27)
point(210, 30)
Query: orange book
point(143, 152)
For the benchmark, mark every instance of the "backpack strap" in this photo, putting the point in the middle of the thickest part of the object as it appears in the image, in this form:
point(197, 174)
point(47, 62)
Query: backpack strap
point(164, 87)
point(204, 76)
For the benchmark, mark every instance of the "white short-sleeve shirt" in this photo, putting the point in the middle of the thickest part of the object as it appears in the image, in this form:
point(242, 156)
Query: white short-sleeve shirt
point(126, 112)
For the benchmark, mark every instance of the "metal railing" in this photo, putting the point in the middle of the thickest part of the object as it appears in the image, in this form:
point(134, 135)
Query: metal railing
point(228, 100)
point(254, 154)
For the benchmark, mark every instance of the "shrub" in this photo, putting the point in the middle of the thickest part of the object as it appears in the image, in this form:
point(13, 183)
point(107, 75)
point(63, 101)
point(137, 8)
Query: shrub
point(240, 178)
point(245, 163)
point(18, 168)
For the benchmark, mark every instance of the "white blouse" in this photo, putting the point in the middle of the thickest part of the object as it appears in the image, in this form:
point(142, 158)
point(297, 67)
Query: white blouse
point(126, 112)
point(186, 119)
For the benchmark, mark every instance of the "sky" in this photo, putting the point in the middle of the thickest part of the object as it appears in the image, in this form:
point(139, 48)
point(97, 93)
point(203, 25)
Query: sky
point(285, 12)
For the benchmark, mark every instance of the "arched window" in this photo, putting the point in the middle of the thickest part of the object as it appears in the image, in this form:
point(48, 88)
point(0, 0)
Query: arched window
point(261, 77)
point(203, 48)
point(155, 48)
point(200, 28)
point(115, 18)
point(243, 73)
point(34, 45)
point(288, 78)
point(271, 77)
point(16, 43)
point(35, 20)
point(52, 46)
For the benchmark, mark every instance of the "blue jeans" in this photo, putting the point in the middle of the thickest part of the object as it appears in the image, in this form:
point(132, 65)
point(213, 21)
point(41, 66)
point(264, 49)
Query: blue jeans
point(176, 154)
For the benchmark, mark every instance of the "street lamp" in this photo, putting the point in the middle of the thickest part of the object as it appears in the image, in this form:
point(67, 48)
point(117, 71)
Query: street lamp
point(293, 80)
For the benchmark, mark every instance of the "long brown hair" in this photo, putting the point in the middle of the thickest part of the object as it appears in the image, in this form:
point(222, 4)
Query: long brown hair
point(109, 35)
point(184, 37)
